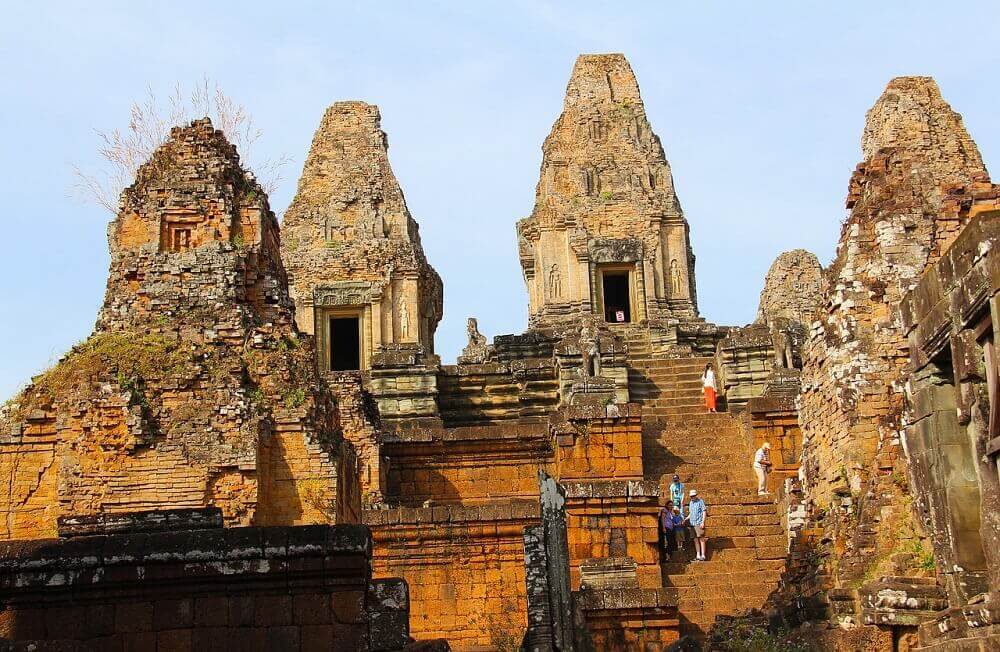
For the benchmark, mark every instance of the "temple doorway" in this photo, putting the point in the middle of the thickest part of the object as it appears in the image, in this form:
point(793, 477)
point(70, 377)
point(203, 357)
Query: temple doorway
point(345, 344)
point(616, 294)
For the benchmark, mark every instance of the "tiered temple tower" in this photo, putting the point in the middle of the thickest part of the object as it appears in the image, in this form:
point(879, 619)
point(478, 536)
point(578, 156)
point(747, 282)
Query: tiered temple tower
point(607, 235)
point(357, 271)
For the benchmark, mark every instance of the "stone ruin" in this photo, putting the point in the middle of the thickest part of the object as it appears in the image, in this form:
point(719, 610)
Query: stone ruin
point(258, 446)
point(607, 235)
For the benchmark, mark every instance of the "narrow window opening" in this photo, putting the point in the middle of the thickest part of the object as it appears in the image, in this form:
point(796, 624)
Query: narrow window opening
point(617, 308)
point(345, 344)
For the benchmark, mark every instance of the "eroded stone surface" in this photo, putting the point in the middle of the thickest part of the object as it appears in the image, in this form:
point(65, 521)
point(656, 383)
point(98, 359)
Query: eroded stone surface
point(792, 288)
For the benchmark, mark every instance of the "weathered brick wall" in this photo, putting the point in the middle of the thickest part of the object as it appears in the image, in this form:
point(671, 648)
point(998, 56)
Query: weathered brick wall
point(30, 502)
point(464, 566)
point(921, 176)
point(617, 622)
point(775, 420)
point(592, 445)
point(614, 520)
point(303, 485)
point(471, 464)
point(243, 588)
point(362, 426)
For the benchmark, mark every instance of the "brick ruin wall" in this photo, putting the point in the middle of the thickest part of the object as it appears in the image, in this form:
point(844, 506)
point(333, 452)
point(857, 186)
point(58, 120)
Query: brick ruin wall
point(466, 495)
point(287, 588)
point(921, 178)
point(196, 388)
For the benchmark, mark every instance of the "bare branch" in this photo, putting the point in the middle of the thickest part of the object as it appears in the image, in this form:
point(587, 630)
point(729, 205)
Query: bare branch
point(150, 121)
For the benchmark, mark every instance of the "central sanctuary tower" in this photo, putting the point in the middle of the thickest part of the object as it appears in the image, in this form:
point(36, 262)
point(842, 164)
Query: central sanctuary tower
point(607, 235)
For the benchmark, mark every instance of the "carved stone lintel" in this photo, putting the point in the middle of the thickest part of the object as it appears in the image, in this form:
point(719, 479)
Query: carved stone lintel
point(344, 293)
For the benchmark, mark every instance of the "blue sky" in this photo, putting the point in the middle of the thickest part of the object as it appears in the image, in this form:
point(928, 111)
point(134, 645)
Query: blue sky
point(759, 106)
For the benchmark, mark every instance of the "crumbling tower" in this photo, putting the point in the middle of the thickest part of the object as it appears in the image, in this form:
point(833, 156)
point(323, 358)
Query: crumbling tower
point(607, 235)
point(357, 271)
point(921, 180)
point(195, 390)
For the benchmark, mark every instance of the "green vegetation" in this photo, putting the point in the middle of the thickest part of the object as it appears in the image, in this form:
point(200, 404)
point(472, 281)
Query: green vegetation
point(129, 356)
point(294, 398)
point(607, 195)
point(925, 559)
point(745, 635)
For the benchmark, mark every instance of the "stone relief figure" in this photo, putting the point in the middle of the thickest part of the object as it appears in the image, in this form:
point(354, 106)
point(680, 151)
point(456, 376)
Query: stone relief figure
point(675, 278)
point(404, 318)
point(555, 282)
point(590, 351)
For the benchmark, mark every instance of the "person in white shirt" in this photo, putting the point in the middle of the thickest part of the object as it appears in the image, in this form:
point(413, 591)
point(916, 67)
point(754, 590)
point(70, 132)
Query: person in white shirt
point(762, 466)
point(708, 386)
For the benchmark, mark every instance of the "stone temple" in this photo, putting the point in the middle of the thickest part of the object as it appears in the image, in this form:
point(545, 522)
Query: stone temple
point(258, 447)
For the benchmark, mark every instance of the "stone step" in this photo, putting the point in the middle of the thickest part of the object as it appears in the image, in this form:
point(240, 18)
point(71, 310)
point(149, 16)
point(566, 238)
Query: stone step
point(660, 360)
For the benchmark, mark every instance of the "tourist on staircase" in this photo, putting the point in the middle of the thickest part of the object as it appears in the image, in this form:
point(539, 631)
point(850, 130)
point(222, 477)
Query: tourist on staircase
point(668, 529)
point(708, 386)
point(696, 519)
point(677, 492)
point(762, 466)
point(678, 528)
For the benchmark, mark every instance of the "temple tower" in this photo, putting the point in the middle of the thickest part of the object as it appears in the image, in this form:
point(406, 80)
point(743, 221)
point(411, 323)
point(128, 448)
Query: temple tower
point(607, 235)
point(357, 271)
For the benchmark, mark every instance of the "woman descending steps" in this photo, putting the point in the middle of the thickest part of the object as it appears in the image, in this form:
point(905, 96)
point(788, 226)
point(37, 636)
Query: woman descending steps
point(708, 386)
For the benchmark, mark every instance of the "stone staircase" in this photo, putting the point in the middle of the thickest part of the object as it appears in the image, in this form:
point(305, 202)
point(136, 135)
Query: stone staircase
point(747, 545)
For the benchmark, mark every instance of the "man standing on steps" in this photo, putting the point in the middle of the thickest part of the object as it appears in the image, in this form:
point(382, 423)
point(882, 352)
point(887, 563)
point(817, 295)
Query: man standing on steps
point(762, 466)
point(696, 518)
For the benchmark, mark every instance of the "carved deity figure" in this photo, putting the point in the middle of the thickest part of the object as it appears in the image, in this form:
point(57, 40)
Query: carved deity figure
point(404, 318)
point(555, 282)
point(675, 278)
point(477, 350)
point(476, 338)
point(590, 351)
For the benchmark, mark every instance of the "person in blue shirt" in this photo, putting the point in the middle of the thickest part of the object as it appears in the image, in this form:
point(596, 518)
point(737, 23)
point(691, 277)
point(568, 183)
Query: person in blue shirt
point(677, 492)
point(678, 520)
point(696, 519)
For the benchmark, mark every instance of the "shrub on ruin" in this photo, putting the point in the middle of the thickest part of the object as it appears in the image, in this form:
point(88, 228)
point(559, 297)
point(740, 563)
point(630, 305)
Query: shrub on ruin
point(123, 150)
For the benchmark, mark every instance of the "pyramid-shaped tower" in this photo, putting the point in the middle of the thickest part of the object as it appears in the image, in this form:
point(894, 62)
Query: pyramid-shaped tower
point(607, 235)
point(357, 270)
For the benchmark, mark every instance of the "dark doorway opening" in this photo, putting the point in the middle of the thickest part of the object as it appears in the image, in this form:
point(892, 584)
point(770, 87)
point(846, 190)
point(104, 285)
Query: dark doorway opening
point(616, 297)
point(345, 344)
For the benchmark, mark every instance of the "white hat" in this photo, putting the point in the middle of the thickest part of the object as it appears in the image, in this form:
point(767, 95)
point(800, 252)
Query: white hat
point(693, 493)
